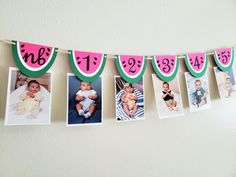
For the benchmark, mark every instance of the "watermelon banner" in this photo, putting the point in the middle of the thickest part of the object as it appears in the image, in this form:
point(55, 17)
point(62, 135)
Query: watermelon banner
point(196, 63)
point(165, 66)
point(131, 68)
point(33, 59)
point(224, 58)
point(87, 66)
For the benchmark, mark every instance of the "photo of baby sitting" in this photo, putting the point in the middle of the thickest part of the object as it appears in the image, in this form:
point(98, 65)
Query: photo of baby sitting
point(168, 97)
point(28, 99)
point(86, 97)
point(198, 92)
point(226, 84)
point(129, 100)
point(84, 101)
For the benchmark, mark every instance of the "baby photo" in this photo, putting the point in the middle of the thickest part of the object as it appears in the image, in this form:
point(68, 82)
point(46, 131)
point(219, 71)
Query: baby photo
point(168, 97)
point(84, 101)
point(28, 99)
point(226, 84)
point(198, 92)
point(129, 100)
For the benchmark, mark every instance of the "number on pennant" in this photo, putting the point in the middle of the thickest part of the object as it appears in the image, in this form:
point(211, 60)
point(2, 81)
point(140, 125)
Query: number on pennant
point(224, 57)
point(166, 63)
point(196, 62)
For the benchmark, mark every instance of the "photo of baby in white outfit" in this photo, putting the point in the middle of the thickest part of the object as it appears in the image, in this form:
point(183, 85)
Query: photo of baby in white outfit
point(29, 102)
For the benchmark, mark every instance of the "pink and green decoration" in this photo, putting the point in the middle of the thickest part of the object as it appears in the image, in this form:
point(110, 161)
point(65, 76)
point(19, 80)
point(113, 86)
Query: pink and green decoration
point(131, 68)
point(165, 66)
point(87, 66)
point(224, 58)
point(33, 59)
point(196, 63)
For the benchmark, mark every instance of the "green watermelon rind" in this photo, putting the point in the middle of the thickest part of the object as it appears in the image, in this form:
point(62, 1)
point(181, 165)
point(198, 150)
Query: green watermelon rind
point(194, 73)
point(25, 70)
point(127, 78)
point(82, 76)
point(162, 76)
point(223, 68)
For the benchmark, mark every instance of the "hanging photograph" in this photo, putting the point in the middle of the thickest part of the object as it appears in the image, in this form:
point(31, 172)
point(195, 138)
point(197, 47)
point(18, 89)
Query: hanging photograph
point(226, 84)
point(84, 101)
point(198, 92)
point(129, 100)
point(28, 99)
point(168, 97)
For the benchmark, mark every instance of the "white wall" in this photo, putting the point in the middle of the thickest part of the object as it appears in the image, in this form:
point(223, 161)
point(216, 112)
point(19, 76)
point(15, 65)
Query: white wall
point(200, 144)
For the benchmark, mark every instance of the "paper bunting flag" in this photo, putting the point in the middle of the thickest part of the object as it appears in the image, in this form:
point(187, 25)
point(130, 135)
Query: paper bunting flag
point(131, 68)
point(224, 58)
point(196, 63)
point(33, 59)
point(165, 66)
point(87, 66)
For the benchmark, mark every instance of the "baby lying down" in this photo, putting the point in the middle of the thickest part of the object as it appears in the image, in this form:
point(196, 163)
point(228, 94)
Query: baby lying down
point(30, 99)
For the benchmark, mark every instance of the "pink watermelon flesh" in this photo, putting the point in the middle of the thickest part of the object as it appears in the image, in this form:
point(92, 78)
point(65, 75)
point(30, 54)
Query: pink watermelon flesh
point(88, 62)
point(224, 56)
point(34, 55)
point(166, 64)
point(196, 60)
point(131, 64)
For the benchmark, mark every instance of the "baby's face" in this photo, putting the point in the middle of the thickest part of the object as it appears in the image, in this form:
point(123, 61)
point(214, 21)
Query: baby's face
point(33, 87)
point(198, 85)
point(85, 86)
point(129, 89)
point(165, 87)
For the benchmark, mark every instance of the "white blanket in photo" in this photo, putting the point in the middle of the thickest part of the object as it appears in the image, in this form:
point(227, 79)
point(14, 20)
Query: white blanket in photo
point(43, 116)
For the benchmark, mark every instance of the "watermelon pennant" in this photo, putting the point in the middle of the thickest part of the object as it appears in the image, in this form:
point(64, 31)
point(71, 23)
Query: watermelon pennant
point(224, 58)
point(196, 63)
point(165, 66)
point(33, 59)
point(131, 68)
point(87, 66)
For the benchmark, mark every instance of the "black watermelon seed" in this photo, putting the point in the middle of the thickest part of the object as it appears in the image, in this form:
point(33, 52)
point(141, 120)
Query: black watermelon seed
point(47, 54)
point(159, 66)
point(22, 45)
point(95, 58)
point(191, 63)
point(22, 50)
point(48, 49)
point(158, 61)
point(94, 63)
point(139, 61)
point(79, 62)
point(123, 62)
point(124, 66)
point(77, 58)
point(139, 66)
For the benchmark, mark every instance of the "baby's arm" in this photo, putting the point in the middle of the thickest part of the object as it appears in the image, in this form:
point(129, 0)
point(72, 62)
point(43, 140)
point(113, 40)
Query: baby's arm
point(23, 96)
point(93, 97)
point(134, 97)
point(123, 98)
point(79, 97)
point(163, 96)
point(38, 97)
